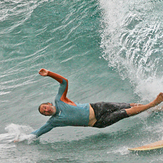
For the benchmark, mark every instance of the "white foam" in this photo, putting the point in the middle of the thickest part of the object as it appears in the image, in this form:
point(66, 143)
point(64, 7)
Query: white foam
point(122, 150)
point(17, 132)
point(130, 41)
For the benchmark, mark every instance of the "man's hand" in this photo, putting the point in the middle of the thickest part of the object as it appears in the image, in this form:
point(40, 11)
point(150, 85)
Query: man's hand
point(43, 72)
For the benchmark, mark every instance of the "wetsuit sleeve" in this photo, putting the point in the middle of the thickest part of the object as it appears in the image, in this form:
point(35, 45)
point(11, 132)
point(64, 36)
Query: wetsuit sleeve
point(42, 130)
point(63, 87)
point(61, 80)
point(57, 77)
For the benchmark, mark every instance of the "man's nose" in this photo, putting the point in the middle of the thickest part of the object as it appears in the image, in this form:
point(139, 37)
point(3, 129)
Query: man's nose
point(46, 109)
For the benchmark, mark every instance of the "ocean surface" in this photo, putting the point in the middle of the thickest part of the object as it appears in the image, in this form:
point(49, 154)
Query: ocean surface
point(109, 50)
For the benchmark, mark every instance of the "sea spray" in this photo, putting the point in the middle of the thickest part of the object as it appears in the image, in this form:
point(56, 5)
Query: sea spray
point(132, 45)
point(17, 133)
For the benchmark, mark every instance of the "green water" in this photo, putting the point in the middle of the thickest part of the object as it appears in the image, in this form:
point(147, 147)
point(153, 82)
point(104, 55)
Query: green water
point(109, 51)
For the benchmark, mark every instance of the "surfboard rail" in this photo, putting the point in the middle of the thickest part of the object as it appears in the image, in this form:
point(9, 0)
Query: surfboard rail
point(152, 146)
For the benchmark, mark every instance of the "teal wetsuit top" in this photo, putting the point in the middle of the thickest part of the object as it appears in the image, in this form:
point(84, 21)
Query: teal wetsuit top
point(66, 114)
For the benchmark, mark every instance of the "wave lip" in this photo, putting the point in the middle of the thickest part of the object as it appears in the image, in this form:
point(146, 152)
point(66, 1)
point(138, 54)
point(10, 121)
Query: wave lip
point(132, 44)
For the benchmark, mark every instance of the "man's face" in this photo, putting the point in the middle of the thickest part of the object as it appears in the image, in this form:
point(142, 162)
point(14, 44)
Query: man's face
point(47, 109)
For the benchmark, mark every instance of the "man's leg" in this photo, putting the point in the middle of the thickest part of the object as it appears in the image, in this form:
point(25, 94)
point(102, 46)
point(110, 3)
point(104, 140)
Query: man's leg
point(135, 109)
point(135, 104)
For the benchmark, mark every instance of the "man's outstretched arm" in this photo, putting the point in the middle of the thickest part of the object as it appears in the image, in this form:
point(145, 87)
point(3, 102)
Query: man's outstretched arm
point(44, 129)
point(59, 78)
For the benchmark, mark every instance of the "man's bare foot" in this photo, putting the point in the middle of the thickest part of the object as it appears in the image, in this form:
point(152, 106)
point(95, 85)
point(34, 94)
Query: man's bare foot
point(158, 99)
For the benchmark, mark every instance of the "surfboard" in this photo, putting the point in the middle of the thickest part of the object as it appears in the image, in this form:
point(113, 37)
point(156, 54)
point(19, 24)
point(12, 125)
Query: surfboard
point(152, 146)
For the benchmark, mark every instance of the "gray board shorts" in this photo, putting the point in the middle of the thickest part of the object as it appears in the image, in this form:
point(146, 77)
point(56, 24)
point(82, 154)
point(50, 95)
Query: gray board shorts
point(108, 113)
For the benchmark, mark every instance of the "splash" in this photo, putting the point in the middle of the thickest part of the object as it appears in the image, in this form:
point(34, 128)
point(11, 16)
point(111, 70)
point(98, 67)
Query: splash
point(122, 151)
point(17, 132)
point(132, 44)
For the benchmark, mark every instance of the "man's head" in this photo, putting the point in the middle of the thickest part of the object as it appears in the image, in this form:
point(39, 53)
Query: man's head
point(47, 109)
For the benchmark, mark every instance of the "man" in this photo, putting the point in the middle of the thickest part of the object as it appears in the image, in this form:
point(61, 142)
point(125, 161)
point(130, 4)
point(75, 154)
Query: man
point(68, 113)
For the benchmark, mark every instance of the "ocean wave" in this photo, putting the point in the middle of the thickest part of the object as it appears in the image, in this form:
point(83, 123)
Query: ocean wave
point(133, 45)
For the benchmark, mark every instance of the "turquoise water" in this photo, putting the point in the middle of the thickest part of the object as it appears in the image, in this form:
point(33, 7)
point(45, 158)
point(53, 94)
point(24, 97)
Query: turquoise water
point(109, 51)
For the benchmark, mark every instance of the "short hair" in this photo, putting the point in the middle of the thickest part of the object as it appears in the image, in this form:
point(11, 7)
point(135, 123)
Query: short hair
point(46, 103)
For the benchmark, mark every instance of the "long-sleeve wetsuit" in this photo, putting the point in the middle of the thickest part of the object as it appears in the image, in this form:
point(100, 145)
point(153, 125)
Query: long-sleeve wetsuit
point(68, 113)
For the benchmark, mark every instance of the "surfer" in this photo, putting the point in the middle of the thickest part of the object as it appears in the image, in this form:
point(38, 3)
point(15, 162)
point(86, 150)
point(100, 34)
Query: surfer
point(68, 113)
